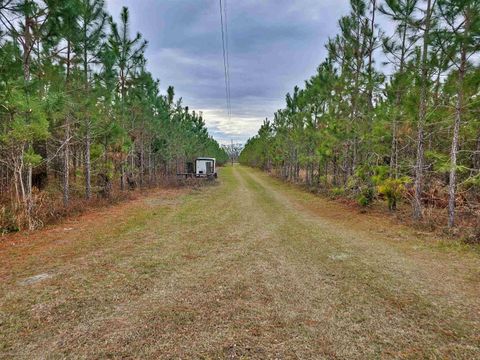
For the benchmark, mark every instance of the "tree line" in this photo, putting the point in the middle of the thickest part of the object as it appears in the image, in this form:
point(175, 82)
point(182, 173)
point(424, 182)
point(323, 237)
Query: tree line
point(80, 115)
point(409, 129)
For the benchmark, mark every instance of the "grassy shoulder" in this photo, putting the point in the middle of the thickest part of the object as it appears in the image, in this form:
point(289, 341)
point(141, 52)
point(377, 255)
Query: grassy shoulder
point(430, 232)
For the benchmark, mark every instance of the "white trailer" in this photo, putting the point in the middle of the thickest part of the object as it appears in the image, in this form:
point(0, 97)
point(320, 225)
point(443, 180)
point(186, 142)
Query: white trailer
point(205, 167)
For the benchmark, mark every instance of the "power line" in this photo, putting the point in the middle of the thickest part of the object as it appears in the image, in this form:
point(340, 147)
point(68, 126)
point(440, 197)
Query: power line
point(224, 57)
point(228, 57)
point(224, 29)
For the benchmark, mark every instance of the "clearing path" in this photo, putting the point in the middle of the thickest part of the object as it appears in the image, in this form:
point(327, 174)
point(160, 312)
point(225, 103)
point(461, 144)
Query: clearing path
point(251, 268)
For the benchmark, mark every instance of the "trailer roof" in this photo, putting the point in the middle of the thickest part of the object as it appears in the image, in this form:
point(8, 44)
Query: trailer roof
point(205, 158)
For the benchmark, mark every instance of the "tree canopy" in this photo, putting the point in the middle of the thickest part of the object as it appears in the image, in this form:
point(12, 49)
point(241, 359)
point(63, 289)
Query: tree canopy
point(408, 131)
point(79, 109)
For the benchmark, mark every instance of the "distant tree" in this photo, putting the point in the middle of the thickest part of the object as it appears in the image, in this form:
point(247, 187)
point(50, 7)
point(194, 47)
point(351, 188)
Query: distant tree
point(92, 21)
point(398, 50)
point(129, 57)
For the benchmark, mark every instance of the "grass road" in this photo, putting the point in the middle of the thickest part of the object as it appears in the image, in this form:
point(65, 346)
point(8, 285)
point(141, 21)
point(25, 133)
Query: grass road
point(249, 269)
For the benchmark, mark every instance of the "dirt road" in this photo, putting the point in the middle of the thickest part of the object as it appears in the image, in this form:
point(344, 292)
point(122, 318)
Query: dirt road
point(250, 268)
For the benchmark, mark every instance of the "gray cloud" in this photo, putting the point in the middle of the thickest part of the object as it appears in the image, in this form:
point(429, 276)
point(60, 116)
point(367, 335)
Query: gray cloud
point(274, 45)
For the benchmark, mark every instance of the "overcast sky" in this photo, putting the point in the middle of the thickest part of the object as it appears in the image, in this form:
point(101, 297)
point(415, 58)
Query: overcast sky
point(274, 45)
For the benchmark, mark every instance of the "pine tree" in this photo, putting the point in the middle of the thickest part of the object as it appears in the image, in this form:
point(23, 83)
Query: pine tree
point(92, 21)
point(398, 52)
point(461, 34)
point(422, 113)
point(129, 57)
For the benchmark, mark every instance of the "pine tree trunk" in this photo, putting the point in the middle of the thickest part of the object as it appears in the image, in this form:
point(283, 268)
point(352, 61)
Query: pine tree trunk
point(476, 155)
point(66, 149)
point(150, 168)
point(17, 190)
point(453, 164)
point(20, 170)
point(74, 163)
point(31, 225)
point(142, 164)
point(18, 178)
point(27, 48)
point(456, 133)
point(122, 176)
point(370, 58)
point(394, 151)
point(66, 161)
point(418, 185)
point(335, 169)
point(398, 103)
point(88, 170)
point(132, 158)
point(359, 62)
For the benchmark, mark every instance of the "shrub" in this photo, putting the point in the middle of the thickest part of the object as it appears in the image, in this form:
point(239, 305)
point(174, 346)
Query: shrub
point(338, 191)
point(8, 221)
point(393, 190)
point(366, 196)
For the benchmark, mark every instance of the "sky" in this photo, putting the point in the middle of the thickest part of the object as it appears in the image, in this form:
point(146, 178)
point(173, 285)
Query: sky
point(273, 46)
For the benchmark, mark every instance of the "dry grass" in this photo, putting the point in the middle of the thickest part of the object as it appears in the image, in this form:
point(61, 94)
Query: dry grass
point(49, 208)
point(250, 269)
point(435, 214)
